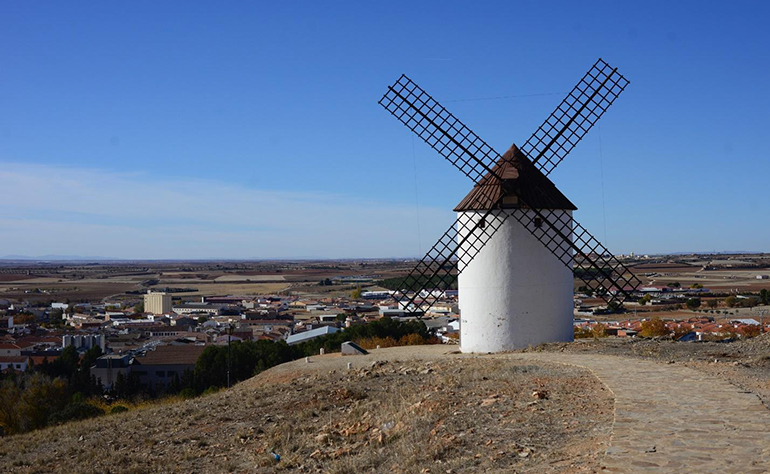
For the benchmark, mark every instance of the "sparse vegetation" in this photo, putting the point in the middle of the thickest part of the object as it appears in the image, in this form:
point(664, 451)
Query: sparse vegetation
point(386, 416)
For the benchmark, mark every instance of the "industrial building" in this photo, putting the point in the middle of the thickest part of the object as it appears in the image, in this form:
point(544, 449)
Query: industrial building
point(157, 302)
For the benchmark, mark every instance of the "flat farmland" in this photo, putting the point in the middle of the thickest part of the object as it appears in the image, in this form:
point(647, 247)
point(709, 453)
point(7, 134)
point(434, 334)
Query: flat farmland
point(221, 289)
point(69, 290)
point(249, 278)
point(665, 268)
point(5, 277)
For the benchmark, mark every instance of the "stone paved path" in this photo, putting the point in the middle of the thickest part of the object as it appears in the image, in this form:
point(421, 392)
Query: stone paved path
point(670, 418)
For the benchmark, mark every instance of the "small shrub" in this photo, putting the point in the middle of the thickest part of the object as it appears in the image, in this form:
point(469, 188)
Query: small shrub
point(118, 409)
point(599, 330)
point(373, 342)
point(187, 393)
point(654, 327)
point(76, 411)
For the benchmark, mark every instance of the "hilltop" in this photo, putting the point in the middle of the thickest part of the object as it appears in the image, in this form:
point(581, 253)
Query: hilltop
point(405, 409)
point(592, 405)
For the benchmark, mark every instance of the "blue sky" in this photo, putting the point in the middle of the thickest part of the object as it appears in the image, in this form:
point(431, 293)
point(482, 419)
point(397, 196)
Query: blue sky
point(252, 130)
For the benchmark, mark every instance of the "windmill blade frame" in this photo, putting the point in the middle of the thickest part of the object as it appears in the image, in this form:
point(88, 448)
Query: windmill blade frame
point(434, 270)
point(550, 143)
point(575, 115)
point(603, 266)
point(443, 258)
point(441, 130)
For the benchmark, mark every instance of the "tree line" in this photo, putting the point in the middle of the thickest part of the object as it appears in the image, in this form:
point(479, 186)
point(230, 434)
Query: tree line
point(63, 390)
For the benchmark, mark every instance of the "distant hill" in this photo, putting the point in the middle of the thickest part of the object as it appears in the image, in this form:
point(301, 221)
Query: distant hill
point(68, 258)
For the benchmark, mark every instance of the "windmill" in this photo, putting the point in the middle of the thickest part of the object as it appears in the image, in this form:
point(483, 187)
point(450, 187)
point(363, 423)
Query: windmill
point(515, 248)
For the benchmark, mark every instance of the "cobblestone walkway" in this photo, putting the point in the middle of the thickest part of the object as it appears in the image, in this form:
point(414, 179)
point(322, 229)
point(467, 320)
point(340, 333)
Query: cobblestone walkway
point(670, 418)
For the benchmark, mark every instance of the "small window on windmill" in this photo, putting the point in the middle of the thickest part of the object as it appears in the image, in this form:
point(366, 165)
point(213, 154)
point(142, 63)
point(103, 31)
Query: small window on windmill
point(510, 200)
point(482, 222)
point(538, 222)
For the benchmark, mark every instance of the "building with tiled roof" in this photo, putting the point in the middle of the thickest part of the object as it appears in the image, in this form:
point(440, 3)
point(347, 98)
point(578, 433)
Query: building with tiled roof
point(15, 363)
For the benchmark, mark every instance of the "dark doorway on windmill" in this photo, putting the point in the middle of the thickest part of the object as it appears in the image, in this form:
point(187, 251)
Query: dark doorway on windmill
point(538, 222)
point(482, 222)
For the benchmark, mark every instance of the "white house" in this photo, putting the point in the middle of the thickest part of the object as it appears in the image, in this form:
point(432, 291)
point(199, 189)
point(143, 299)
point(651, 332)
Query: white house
point(18, 363)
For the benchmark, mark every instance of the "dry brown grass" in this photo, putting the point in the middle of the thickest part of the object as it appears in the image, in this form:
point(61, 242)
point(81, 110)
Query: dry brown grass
point(450, 414)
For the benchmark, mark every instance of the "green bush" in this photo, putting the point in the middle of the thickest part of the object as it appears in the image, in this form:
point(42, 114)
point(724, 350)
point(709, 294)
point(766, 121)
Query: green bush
point(76, 411)
point(188, 392)
point(118, 409)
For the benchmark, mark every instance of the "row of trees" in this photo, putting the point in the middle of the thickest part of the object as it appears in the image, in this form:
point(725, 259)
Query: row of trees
point(249, 358)
point(50, 393)
point(750, 302)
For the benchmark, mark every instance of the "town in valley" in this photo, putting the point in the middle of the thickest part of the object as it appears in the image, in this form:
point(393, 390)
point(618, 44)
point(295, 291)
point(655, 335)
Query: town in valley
point(152, 320)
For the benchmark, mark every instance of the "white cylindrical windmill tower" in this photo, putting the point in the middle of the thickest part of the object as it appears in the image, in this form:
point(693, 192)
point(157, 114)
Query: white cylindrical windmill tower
point(515, 292)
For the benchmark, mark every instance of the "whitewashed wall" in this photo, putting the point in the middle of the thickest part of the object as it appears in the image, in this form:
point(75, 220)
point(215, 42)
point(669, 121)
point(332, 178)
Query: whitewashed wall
point(514, 293)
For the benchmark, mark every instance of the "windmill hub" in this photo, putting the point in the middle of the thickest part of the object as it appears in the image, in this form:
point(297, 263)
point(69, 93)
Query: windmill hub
point(515, 245)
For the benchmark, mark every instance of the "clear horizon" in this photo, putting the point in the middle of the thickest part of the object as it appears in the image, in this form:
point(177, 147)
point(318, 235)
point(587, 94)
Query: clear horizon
point(150, 131)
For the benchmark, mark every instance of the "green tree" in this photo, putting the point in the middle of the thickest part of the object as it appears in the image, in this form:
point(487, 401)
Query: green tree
point(246, 360)
point(750, 302)
point(696, 286)
point(356, 294)
point(82, 380)
point(693, 304)
point(126, 386)
point(712, 303)
point(139, 307)
point(731, 301)
point(63, 366)
point(10, 398)
point(28, 401)
point(674, 284)
point(764, 296)
point(55, 318)
point(75, 411)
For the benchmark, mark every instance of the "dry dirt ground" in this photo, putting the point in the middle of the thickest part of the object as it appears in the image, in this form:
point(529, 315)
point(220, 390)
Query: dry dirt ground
point(744, 363)
point(396, 410)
